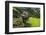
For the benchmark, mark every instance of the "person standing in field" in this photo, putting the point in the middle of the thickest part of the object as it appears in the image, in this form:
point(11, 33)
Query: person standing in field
point(24, 16)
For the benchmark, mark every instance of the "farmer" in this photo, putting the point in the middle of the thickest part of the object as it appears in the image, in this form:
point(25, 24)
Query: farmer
point(24, 16)
point(19, 24)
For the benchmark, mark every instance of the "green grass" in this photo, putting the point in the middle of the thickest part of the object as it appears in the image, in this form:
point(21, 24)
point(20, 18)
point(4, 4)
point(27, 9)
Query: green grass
point(35, 22)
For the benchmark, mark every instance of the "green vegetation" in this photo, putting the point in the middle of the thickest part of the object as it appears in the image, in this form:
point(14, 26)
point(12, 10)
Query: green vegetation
point(31, 20)
point(35, 22)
